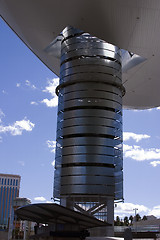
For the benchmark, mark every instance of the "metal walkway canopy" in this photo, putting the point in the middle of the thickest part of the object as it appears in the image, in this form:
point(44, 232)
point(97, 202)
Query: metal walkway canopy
point(132, 25)
point(54, 213)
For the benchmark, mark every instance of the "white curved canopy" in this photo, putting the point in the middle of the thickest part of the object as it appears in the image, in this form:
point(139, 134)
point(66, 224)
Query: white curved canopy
point(132, 25)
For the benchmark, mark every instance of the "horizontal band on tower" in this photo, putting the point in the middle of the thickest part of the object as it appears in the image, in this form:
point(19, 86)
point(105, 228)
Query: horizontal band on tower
point(71, 82)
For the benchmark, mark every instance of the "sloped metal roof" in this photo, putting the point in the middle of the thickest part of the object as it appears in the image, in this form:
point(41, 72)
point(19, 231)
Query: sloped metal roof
point(54, 213)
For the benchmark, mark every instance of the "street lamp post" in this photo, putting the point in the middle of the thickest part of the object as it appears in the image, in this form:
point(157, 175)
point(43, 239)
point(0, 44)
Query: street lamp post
point(135, 209)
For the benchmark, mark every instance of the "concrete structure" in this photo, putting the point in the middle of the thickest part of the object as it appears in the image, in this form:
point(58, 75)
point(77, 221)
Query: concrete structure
point(19, 227)
point(9, 190)
point(152, 223)
point(93, 80)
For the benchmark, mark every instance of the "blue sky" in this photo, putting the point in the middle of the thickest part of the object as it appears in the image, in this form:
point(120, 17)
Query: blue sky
point(28, 109)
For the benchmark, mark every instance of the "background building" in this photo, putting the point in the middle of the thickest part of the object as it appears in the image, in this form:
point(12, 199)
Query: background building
point(9, 190)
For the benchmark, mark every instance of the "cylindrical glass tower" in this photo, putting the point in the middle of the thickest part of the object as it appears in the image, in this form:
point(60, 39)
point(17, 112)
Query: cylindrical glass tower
point(89, 164)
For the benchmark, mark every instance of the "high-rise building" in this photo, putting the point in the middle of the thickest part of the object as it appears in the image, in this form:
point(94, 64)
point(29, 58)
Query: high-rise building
point(9, 190)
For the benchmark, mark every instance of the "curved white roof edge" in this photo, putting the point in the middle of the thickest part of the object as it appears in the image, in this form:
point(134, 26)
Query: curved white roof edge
point(130, 25)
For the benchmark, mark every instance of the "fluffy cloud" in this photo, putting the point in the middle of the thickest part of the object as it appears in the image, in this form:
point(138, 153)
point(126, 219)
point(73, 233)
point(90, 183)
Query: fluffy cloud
point(34, 103)
point(18, 85)
point(28, 84)
point(22, 163)
point(52, 84)
point(124, 209)
point(155, 211)
point(41, 199)
point(134, 136)
point(158, 108)
point(155, 163)
point(50, 103)
point(4, 92)
point(50, 88)
point(127, 209)
point(51, 145)
point(18, 127)
point(1, 115)
point(140, 154)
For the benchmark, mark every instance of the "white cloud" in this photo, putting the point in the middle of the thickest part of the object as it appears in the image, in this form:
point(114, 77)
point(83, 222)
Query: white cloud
point(155, 211)
point(137, 137)
point(51, 103)
point(155, 163)
point(51, 145)
point(18, 127)
point(158, 108)
point(140, 154)
point(18, 85)
point(124, 209)
point(1, 115)
point(34, 103)
point(142, 110)
point(50, 88)
point(28, 83)
point(127, 209)
point(22, 163)
point(41, 199)
point(4, 92)
point(52, 84)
